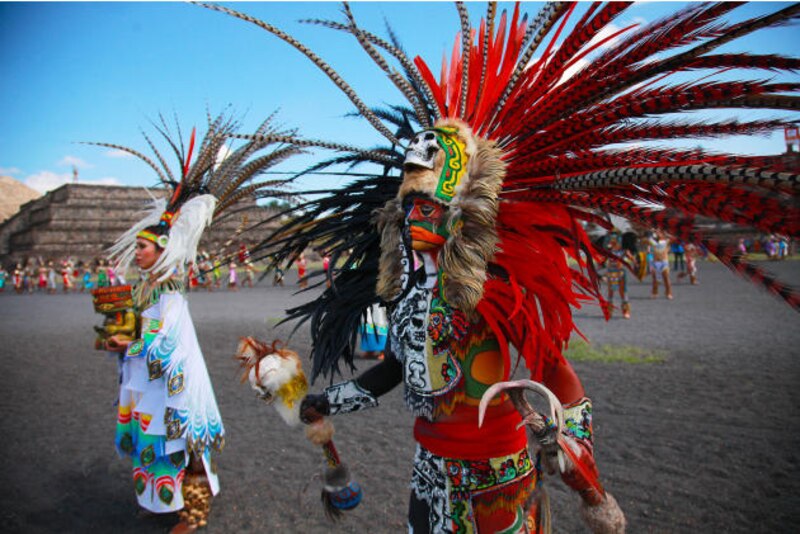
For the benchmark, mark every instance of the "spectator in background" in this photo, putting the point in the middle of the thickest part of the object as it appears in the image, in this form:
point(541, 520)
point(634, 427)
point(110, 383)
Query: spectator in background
point(301, 271)
point(326, 265)
point(19, 278)
point(102, 274)
point(742, 248)
point(783, 248)
point(66, 276)
point(678, 263)
point(232, 277)
point(52, 277)
point(216, 272)
point(277, 279)
point(692, 252)
point(87, 279)
point(769, 247)
point(3, 276)
point(249, 273)
point(29, 278)
point(42, 276)
point(616, 276)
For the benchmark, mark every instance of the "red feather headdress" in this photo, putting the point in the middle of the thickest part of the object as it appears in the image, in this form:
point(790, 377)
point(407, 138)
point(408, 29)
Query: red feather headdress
point(563, 101)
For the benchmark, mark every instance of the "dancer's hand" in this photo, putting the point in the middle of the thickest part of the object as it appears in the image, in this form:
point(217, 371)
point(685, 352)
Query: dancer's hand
point(314, 407)
point(117, 343)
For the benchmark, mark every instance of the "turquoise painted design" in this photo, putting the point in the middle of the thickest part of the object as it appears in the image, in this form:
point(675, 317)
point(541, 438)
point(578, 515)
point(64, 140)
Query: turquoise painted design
point(159, 355)
point(578, 420)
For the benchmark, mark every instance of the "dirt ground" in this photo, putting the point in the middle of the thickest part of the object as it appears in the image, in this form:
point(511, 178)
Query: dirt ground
point(704, 441)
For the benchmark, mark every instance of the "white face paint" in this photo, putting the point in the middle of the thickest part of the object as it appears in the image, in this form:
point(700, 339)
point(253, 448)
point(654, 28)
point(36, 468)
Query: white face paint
point(422, 150)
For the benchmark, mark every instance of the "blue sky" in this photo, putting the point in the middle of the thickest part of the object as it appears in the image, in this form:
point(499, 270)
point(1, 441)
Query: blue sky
point(86, 71)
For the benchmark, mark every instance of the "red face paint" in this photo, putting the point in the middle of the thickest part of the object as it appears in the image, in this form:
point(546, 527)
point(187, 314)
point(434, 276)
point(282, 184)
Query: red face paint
point(425, 219)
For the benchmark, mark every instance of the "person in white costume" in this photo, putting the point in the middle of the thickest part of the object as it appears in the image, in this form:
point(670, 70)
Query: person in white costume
point(168, 420)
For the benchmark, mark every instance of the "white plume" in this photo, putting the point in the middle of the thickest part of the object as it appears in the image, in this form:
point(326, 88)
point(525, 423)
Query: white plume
point(123, 250)
point(184, 236)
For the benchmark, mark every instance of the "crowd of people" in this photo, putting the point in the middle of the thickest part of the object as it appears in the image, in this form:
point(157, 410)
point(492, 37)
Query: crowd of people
point(774, 247)
point(660, 256)
point(211, 272)
point(650, 253)
point(40, 275)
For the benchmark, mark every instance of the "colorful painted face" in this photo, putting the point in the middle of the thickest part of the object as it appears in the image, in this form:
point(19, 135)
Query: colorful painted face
point(425, 220)
point(147, 253)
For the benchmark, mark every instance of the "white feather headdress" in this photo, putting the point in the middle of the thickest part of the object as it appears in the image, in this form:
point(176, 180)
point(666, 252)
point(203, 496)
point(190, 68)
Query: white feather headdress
point(184, 236)
point(204, 190)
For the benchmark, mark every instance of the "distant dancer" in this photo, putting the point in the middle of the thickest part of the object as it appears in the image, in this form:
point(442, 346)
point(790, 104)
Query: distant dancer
point(301, 271)
point(102, 274)
point(678, 263)
point(692, 252)
point(66, 276)
point(615, 274)
point(42, 277)
point(3, 276)
point(249, 273)
point(217, 273)
point(326, 266)
point(659, 247)
point(232, 277)
point(742, 248)
point(19, 275)
point(277, 279)
point(52, 277)
point(87, 279)
point(28, 278)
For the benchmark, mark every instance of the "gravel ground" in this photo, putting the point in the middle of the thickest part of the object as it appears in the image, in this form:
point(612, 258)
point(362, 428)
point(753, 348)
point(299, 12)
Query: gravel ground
point(703, 441)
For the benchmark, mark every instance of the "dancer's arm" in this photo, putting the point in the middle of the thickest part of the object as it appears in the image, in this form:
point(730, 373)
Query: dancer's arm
point(354, 395)
point(562, 380)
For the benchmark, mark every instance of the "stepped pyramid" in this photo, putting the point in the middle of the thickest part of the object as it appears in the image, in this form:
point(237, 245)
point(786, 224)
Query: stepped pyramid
point(13, 194)
point(82, 221)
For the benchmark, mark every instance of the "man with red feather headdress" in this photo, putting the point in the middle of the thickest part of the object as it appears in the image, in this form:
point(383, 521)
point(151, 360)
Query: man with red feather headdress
point(472, 236)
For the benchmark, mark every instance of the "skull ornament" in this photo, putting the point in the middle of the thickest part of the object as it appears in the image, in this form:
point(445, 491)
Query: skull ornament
point(422, 150)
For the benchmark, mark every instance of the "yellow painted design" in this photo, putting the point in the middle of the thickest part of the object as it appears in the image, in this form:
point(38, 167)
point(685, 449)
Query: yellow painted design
point(293, 390)
point(455, 163)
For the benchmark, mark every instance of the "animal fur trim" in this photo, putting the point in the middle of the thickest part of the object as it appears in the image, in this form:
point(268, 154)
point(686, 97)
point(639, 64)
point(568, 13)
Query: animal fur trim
point(473, 237)
point(389, 221)
point(604, 518)
point(320, 432)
